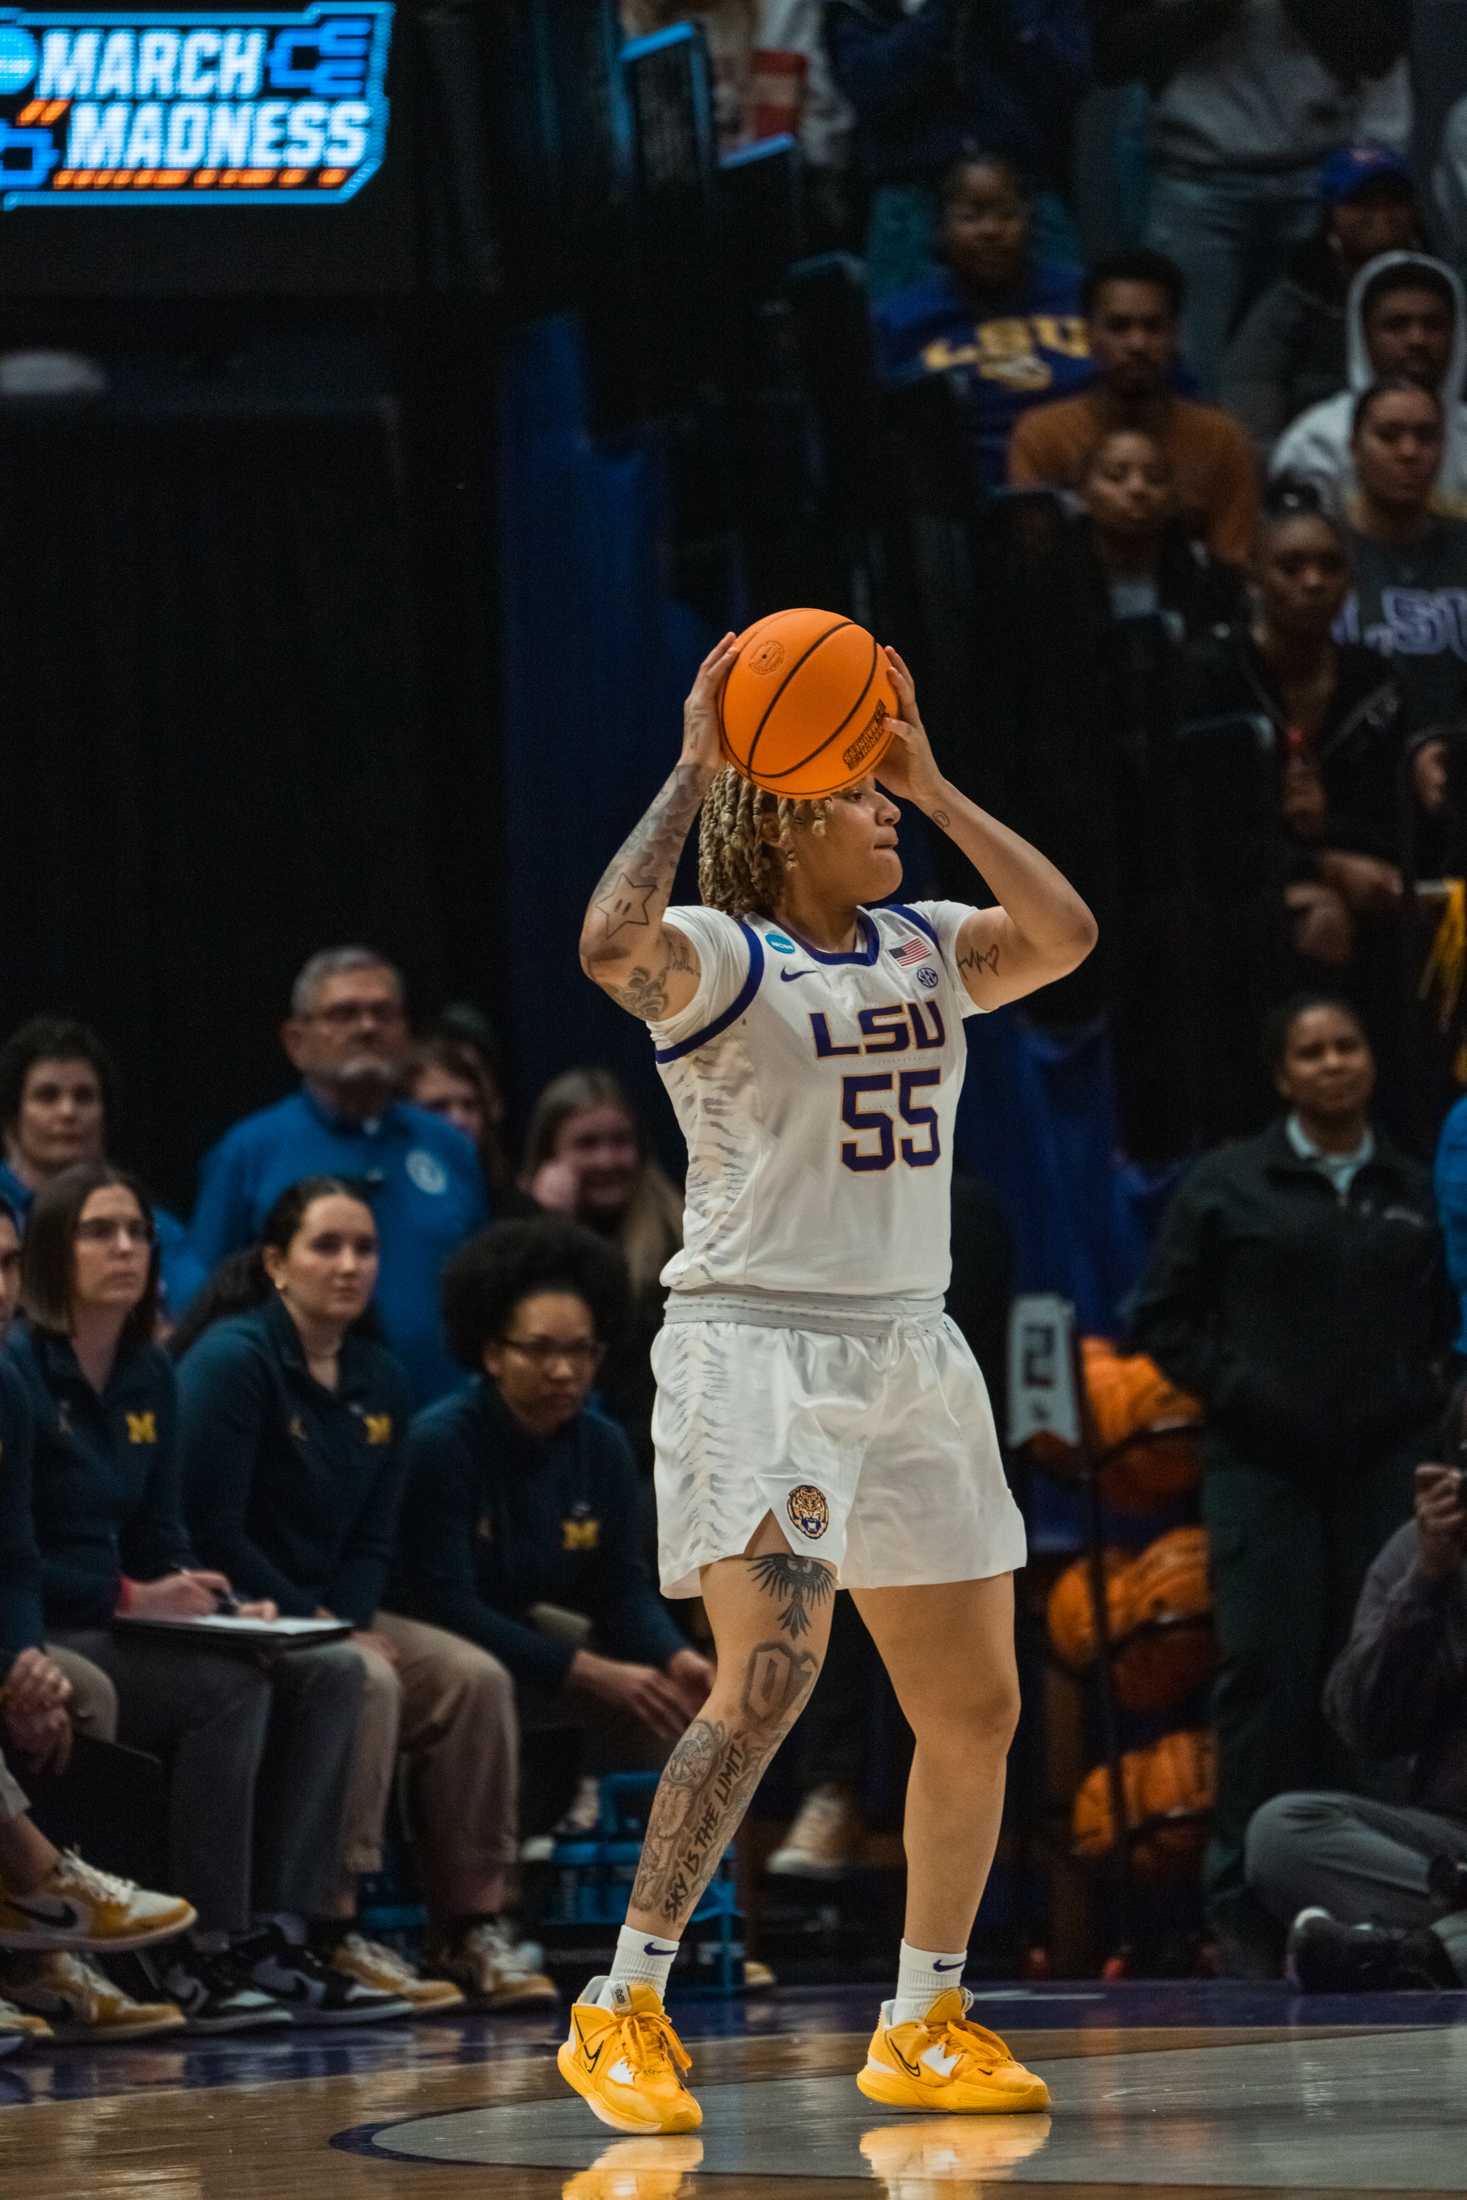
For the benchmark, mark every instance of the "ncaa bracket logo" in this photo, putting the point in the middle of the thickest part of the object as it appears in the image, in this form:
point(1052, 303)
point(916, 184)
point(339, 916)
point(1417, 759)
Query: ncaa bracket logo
point(427, 1172)
point(780, 942)
point(165, 107)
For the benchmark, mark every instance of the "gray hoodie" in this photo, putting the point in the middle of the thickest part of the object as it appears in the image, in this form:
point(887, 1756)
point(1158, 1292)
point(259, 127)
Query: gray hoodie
point(1318, 444)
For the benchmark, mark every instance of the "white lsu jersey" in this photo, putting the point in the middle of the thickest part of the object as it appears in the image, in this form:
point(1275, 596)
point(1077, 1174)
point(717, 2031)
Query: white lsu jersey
point(817, 1094)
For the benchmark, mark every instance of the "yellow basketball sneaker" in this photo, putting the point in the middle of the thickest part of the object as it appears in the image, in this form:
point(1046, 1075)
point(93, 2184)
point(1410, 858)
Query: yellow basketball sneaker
point(947, 2065)
point(639, 2169)
point(626, 2061)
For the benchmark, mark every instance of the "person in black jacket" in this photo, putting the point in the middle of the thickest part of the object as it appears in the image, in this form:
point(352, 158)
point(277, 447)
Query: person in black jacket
point(1337, 717)
point(292, 1434)
point(1375, 1892)
point(1296, 1288)
point(524, 1506)
point(257, 1761)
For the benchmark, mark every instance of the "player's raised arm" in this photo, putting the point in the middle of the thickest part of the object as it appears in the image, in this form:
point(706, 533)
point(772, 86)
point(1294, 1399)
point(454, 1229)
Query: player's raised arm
point(654, 972)
point(1041, 929)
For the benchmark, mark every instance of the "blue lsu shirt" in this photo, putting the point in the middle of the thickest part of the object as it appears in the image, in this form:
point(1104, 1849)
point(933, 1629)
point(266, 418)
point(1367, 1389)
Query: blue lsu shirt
point(1019, 348)
point(426, 1190)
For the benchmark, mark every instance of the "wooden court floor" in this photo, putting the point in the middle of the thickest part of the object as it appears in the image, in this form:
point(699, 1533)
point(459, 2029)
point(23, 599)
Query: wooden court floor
point(1158, 2091)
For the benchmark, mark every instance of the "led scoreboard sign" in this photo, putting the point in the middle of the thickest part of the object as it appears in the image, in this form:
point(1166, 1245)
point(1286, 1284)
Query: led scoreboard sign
point(193, 107)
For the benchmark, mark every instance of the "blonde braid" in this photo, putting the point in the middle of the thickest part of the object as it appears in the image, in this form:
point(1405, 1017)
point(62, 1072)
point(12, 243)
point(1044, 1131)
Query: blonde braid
point(739, 871)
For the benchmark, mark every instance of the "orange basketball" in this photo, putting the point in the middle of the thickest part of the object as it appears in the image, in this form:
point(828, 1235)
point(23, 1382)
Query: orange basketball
point(1092, 1821)
point(1073, 1635)
point(807, 708)
point(1145, 1428)
point(1178, 1791)
point(1171, 1648)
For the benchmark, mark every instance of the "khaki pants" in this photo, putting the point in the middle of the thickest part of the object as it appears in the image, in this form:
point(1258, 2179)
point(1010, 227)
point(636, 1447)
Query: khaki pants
point(449, 1707)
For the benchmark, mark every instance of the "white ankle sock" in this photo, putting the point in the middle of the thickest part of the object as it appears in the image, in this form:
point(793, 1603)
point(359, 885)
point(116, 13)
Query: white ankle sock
point(922, 1975)
point(644, 1956)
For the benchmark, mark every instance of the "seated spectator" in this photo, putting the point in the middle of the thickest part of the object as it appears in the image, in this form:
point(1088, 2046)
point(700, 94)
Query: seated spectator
point(292, 1425)
point(257, 1761)
point(50, 1900)
point(1404, 318)
point(1003, 325)
point(1248, 97)
point(347, 1035)
point(1150, 566)
point(586, 1157)
point(1133, 301)
point(1409, 564)
point(522, 1498)
point(1283, 1260)
point(447, 1076)
point(1336, 710)
point(1290, 352)
point(926, 78)
point(1375, 1893)
point(58, 1094)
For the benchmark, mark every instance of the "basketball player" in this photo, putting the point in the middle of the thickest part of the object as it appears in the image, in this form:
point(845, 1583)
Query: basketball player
point(818, 1419)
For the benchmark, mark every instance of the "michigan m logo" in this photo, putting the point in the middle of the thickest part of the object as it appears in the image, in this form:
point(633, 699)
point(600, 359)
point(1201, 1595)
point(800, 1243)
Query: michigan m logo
point(379, 1428)
point(142, 1428)
point(580, 1535)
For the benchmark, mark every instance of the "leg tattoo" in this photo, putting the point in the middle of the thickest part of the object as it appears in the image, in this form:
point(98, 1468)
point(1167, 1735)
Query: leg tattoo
point(712, 1774)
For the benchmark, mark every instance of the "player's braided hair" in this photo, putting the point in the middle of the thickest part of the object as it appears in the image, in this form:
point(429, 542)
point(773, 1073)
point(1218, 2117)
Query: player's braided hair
point(739, 871)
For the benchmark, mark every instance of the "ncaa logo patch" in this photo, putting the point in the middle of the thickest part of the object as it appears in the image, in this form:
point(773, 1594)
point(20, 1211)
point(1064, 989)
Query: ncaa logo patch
point(427, 1172)
point(927, 976)
point(808, 1511)
point(780, 944)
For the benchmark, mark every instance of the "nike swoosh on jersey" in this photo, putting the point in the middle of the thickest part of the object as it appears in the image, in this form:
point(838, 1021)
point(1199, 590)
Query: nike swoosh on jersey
point(788, 977)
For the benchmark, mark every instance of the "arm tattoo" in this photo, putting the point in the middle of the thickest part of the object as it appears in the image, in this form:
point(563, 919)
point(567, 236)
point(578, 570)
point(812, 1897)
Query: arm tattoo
point(805, 1581)
point(709, 1779)
point(645, 991)
point(635, 886)
point(971, 961)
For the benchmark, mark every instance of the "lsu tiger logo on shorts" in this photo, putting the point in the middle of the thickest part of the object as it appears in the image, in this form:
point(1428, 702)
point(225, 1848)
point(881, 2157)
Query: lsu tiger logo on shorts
point(808, 1511)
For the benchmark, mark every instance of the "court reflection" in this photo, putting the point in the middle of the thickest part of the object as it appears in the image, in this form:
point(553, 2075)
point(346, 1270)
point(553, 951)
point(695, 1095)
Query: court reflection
point(954, 2153)
point(639, 2169)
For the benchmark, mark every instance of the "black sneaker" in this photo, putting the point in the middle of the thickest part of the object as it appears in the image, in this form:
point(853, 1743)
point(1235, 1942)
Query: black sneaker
point(311, 1989)
point(1326, 1956)
point(215, 1992)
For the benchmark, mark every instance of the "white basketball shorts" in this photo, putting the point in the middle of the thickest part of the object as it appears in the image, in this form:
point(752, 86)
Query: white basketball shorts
point(864, 1429)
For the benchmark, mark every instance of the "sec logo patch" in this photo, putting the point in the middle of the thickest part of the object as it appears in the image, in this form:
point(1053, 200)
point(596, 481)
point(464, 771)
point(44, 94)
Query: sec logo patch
point(808, 1511)
point(927, 976)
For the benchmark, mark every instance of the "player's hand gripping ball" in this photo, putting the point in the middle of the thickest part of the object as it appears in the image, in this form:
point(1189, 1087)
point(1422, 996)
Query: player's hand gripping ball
point(808, 707)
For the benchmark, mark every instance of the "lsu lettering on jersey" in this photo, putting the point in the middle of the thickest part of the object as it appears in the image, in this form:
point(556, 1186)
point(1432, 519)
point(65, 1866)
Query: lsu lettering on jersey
point(817, 1095)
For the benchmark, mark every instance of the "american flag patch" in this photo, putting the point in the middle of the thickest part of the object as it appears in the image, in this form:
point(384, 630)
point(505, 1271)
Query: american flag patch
point(912, 951)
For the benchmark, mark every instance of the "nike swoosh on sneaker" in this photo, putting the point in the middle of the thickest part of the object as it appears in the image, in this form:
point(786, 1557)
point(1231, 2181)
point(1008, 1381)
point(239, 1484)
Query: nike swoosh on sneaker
point(50, 1910)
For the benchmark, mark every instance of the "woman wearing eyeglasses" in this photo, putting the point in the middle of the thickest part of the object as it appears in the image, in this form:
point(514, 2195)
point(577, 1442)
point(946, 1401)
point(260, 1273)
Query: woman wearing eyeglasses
point(292, 1420)
point(257, 1761)
point(523, 1499)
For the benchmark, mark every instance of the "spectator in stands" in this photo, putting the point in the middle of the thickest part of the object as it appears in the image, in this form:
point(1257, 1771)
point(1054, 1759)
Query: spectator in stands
point(257, 1762)
point(48, 1899)
point(1249, 96)
point(292, 1426)
point(586, 1157)
point(523, 1528)
point(1405, 317)
point(1336, 710)
point(448, 1078)
point(1409, 563)
point(1283, 1260)
point(1290, 351)
point(1375, 1892)
point(347, 1035)
point(58, 1095)
point(928, 78)
point(1003, 324)
point(1133, 300)
point(1150, 566)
